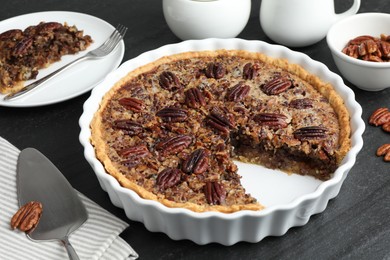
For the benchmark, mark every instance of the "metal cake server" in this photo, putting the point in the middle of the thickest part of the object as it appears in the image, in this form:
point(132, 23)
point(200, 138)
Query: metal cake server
point(63, 212)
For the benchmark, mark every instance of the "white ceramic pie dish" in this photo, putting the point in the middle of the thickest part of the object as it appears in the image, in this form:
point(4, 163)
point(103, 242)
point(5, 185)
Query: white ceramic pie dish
point(290, 200)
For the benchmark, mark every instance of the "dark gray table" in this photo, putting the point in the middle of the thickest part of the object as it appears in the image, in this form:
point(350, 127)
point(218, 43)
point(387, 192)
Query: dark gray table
point(355, 225)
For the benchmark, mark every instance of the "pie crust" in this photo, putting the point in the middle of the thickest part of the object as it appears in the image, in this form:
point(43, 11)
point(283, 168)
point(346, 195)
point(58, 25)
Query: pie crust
point(170, 130)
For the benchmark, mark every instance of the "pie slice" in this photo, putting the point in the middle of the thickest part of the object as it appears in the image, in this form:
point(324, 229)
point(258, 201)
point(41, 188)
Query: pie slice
point(24, 53)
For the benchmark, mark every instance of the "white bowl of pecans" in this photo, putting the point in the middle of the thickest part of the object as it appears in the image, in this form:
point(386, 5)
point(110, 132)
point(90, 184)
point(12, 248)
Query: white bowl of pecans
point(360, 47)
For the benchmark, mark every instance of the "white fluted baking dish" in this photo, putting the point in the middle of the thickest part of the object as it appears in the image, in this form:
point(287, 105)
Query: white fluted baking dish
point(290, 200)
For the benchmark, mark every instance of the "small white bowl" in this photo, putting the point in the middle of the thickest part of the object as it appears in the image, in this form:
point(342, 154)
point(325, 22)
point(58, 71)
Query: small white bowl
point(367, 75)
point(201, 19)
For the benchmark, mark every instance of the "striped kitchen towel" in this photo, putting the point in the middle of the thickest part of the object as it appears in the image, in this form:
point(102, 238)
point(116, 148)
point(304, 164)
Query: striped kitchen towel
point(97, 238)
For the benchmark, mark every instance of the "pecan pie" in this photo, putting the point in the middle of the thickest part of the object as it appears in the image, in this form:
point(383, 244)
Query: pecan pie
point(24, 52)
point(170, 130)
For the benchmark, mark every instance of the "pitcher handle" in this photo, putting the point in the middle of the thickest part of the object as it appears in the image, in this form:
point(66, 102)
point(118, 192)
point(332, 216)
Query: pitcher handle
point(351, 11)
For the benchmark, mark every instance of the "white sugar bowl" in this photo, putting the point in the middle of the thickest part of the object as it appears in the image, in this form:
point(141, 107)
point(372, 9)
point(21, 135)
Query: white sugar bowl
point(200, 19)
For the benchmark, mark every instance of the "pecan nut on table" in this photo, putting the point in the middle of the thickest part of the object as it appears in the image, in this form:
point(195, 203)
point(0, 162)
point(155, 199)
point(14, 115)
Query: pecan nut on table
point(381, 117)
point(27, 217)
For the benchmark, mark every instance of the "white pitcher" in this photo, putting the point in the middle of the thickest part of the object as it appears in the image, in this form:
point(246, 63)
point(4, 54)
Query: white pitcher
point(298, 23)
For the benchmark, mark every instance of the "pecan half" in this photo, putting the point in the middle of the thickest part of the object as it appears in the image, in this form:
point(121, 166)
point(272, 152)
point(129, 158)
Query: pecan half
point(22, 46)
point(250, 71)
point(129, 127)
point(386, 127)
point(11, 34)
point(351, 50)
point(174, 145)
point(385, 48)
point(48, 27)
point(385, 37)
point(360, 39)
point(301, 103)
point(215, 70)
point(197, 162)
point(238, 92)
point(276, 86)
point(272, 120)
point(169, 81)
point(27, 217)
point(135, 152)
point(215, 193)
point(367, 47)
point(310, 132)
point(172, 114)
point(194, 98)
point(220, 121)
point(370, 57)
point(168, 178)
point(379, 117)
point(384, 150)
point(133, 104)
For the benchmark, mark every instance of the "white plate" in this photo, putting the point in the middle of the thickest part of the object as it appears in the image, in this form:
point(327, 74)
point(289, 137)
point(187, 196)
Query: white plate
point(290, 200)
point(76, 80)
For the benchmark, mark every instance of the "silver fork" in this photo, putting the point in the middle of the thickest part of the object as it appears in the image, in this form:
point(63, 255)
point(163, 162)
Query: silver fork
point(103, 50)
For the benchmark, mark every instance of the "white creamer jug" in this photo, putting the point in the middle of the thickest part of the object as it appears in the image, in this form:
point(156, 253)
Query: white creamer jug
point(298, 23)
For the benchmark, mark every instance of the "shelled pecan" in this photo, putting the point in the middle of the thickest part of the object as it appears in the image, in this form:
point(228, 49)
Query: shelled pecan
point(301, 103)
point(27, 217)
point(369, 48)
point(215, 70)
point(173, 145)
point(22, 46)
point(310, 132)
point(172, 114)
point(197, 162)
point(129, 127)
point(276, 86)
point(384, 150)
point(220, 121)
point(169, 81)
point(215, 193)
point(272, 120)
point(386, 127)
point(379, 117)
point(238, 92)
point(136, 151)
point(194, 98)
point(131, 103)
point(168, 178)
point(250, 71)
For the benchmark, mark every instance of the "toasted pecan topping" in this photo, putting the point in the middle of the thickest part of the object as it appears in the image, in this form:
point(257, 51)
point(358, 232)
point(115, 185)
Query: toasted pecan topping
point(168, 178)
point(311, 132)
point(169, 81)
point(215, 193)
point(131, 103)
point(276, 86)
point(173, 145)
point(215, 70)
point(194, 98)
point(197, 162)
point(172, 114)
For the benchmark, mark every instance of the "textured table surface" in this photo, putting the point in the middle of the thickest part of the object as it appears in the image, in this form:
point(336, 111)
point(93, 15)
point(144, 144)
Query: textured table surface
point(355, 225)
